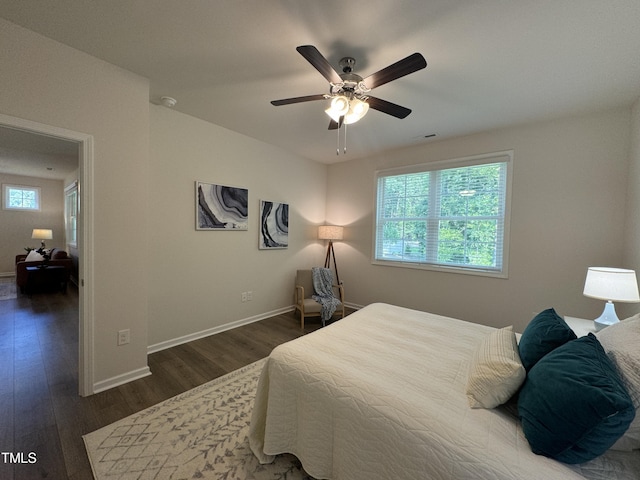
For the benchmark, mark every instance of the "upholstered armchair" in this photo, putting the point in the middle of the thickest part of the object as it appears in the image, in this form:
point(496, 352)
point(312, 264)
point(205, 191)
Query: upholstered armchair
point(304, 302)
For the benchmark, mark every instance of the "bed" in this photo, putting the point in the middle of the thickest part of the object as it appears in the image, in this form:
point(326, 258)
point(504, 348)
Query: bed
point(381, 395)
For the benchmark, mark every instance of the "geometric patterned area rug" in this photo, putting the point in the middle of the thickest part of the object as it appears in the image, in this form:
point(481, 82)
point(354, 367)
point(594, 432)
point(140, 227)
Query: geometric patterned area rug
point(201, 433)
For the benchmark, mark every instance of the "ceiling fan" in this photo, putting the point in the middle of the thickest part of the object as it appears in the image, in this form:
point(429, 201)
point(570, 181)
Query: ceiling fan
point(349, 92)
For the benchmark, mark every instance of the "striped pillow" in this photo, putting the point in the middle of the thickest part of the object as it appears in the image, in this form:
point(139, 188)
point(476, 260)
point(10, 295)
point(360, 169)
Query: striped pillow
point(496, 371)
point(620, 341)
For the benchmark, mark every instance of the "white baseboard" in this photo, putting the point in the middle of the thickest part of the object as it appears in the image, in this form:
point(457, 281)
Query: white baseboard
point(223, 328)
point(121, 379)
point(353, 305)
point(7, 274)
point(212, 331)
point(143, 372)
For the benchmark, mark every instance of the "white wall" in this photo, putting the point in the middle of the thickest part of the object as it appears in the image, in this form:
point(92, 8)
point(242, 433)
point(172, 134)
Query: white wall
point(152, 269)
point(15, 233)
point(569, 189)
point(196, 277)
point(46, 82)
point(149, 262)
point(632, 233)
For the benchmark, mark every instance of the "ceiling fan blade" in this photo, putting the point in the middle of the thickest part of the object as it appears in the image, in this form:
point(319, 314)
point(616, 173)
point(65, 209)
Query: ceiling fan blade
point(388, 107)
point(315, 58)
point(289, 101)
point(333, 125)
point(407, 65)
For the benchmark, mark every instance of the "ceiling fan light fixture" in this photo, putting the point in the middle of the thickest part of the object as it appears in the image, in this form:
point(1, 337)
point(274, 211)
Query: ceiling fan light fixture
point(339, 107)
point(357, 109)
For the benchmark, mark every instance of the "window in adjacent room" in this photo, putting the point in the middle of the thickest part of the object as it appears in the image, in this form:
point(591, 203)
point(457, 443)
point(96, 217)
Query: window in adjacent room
point(450, 215)
point(20, 197)
point(71, 214)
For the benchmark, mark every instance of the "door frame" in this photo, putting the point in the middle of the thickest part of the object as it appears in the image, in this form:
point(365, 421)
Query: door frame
point(85, 239)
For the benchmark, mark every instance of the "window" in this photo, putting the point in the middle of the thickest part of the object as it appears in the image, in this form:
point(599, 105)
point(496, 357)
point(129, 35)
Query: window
point(71, 214)
point(449, 215)
point(18, 197)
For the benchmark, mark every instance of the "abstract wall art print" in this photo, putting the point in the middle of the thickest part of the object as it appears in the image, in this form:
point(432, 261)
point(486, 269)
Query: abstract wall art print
point(274, 225)
point(219, 207)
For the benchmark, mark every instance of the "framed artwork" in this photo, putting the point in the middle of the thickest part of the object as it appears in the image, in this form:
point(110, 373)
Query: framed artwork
point(219, 207)
point(274, 225)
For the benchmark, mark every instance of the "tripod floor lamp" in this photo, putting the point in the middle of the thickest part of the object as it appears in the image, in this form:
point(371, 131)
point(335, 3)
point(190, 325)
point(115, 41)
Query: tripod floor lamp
point(331, 233)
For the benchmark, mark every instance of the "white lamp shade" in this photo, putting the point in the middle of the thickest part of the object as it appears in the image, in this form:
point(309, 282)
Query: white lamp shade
point(352, 110)
point(42, 234)
point(611, 284)
point(357, 110)
point(330, 232)
point(339, 107)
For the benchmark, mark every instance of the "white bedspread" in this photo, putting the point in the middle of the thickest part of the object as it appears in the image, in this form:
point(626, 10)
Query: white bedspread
point(381, 395)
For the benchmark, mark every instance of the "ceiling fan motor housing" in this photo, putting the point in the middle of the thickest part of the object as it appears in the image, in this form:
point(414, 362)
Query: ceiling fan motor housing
point(351, 82)
point(347, 64)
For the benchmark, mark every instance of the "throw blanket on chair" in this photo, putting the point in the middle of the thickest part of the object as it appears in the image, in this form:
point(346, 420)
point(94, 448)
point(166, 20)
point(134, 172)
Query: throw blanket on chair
point(323, 287)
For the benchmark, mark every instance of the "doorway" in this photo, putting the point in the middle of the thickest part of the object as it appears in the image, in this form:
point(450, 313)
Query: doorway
point(84, 144)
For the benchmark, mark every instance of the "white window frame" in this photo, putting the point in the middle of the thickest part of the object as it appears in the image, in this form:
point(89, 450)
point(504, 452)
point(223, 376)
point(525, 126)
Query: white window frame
point(6, 188)
point(71, 206)
point(495, 157)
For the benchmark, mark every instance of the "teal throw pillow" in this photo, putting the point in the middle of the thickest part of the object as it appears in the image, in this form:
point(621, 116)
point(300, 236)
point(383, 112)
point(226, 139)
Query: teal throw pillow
point(546, 332)
point(573, 404)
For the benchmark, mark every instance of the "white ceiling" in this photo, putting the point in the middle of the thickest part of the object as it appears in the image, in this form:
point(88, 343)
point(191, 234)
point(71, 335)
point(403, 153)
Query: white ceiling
point(31, 155)
point(491, 63)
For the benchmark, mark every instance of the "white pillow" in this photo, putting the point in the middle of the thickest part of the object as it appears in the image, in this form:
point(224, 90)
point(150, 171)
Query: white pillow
point(33, 256)
point(496, 371)
point(621, 342)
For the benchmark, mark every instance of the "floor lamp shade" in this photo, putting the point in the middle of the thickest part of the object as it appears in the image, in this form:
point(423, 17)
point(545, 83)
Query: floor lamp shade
point(612, 285)
point(331, 233)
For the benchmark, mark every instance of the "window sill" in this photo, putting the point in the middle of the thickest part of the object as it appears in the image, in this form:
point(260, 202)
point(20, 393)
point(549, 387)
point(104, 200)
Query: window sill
point(444, 269)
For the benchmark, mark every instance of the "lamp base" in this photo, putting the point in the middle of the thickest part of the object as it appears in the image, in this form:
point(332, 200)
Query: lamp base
point(327, 261)
point(607, 318)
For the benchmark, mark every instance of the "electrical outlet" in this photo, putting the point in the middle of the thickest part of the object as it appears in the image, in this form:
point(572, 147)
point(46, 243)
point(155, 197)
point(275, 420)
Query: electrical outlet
point(124, 337)
point(249, 296)
point(243, 296)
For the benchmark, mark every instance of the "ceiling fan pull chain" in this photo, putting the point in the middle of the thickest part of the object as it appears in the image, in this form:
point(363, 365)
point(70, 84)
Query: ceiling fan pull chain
point(338, 142)
point(345, 138)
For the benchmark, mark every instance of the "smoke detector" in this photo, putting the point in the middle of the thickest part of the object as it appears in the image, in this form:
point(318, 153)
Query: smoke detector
point(168, 101)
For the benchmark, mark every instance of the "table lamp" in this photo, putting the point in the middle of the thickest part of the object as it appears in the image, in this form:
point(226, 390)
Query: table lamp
point(612, 285)
point(42, 234)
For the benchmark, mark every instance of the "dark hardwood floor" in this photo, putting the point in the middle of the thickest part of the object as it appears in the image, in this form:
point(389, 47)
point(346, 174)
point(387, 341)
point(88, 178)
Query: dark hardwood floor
point(42, 417)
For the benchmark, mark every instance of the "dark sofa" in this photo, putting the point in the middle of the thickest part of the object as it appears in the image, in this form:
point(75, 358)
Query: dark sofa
point(58, 257)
